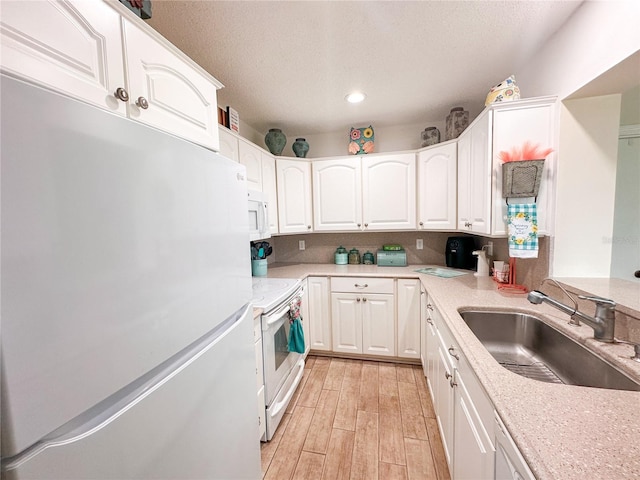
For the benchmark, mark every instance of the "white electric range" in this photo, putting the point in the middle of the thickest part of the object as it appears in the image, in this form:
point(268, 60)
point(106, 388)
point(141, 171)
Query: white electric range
point(282, 369)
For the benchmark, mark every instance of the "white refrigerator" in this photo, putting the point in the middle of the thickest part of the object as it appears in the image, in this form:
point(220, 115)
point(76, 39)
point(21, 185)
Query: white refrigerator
point(127, 334)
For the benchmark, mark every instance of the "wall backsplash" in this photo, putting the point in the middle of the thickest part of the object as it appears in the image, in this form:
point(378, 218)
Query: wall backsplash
point(320, 247)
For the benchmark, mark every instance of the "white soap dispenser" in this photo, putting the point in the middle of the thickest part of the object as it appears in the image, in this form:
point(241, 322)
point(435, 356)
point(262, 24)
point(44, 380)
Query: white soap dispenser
point(483, 263)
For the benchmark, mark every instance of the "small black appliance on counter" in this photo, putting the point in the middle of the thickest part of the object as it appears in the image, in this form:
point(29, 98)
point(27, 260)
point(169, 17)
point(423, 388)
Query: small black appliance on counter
point(458, 253)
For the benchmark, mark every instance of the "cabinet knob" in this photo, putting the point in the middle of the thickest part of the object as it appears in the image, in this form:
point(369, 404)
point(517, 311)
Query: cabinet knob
point(429, 321)
point(308, 227)
point(421, 224)
point(357, 299)
point(121, 94)
point(452, 383)
point(359, 225)
point(454, 355)
point(142, 103)
point(467, 224)
point(636, 274)
point(429, 307)
point(366, 225)
point(364, 299)
point(447, 375)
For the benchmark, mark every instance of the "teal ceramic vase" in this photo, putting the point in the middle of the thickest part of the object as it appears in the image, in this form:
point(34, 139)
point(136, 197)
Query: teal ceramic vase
point(300, 147)
point(275, 141)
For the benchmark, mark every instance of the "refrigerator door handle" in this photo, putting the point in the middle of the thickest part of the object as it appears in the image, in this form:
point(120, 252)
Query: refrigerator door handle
point(102, 414)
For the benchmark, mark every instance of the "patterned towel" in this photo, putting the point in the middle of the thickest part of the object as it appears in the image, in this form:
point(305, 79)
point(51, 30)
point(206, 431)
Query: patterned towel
point(296, 335)
point(522, 223)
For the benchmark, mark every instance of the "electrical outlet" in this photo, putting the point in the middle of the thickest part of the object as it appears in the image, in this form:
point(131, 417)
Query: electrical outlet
point(301, 245)
point(419, 244)
point(489, 249)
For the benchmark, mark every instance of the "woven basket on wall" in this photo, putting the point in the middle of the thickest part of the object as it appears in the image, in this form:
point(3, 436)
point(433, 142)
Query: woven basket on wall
point(521, 178)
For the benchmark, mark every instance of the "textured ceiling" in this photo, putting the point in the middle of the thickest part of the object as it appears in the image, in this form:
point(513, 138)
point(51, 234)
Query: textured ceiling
point(290, 64)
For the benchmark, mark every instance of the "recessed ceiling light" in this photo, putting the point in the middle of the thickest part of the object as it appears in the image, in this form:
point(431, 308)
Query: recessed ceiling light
point(355, 97)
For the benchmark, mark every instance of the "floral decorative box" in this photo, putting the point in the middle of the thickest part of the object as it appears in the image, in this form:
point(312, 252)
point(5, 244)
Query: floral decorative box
point(361, 140)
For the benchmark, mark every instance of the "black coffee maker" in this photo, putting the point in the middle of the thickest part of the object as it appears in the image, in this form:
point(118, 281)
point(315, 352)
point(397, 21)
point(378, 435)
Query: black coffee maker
point(458, 253)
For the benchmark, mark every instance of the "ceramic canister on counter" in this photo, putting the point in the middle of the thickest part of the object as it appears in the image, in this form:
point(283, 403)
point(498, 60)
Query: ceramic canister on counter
point(341, 256)
point(368, 258)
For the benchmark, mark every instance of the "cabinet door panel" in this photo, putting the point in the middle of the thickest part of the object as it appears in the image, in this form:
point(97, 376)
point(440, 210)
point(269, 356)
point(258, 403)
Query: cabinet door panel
point(437, 183)
point(389, 192)
point(409, 299)
point(346, 322)
point(337, 195)
point(251, 157)
point(72, 47)
point(480, 176)
point(181, 100)
point(319, 313)
point(294, 196)
point(228, 144)
point(378, 325)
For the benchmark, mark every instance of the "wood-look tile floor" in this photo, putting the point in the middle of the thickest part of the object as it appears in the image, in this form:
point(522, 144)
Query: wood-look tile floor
point(355, 419)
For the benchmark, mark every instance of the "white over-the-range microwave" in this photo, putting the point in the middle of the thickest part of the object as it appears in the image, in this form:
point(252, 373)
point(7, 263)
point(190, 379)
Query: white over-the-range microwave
point(258, 216)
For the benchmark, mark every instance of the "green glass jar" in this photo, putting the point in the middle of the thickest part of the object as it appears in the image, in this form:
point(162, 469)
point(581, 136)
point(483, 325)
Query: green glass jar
point(367, 258)
point(354, 257)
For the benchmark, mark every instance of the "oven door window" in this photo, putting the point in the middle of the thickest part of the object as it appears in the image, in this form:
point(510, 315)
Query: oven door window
point(281, 343)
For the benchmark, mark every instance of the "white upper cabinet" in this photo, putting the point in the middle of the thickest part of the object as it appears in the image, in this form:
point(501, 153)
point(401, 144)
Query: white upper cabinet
point(228, 143)
point(437, 187)
point(389, 192)
point(294, 196)
point(251, 157)
point(100, 53)
point(533, 121)
point(337, 194)
point(501, 127)
point(365, 193)
point(72, 47)
point(167, 93)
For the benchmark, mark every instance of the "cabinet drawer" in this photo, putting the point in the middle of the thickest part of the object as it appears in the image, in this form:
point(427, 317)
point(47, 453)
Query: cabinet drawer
point(362, 285)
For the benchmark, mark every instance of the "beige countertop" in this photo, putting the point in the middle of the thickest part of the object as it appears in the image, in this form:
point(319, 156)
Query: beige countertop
point(563, 431)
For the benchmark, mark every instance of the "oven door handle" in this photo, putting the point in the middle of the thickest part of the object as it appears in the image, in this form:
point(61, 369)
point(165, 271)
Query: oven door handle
point(285, 401)
point(275, 317)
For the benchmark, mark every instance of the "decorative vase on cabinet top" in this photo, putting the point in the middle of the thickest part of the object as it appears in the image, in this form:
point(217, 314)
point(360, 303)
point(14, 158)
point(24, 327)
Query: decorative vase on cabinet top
point(456, 122)
point(275, 140)
point(430, 136)
point(300, 147)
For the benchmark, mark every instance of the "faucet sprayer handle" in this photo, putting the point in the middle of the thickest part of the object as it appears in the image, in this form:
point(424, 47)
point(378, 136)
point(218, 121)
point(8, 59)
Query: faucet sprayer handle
point(599, 300)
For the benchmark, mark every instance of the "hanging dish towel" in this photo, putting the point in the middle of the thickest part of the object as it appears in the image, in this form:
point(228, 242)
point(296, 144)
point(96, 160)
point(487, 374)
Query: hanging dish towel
point(296, 335)
point(522, 223)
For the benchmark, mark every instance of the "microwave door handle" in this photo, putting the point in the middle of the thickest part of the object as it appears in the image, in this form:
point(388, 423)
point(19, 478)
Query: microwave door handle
point(265, 219)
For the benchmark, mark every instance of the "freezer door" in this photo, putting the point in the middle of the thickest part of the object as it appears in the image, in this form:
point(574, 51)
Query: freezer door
point(120, 246)
point(194, 418)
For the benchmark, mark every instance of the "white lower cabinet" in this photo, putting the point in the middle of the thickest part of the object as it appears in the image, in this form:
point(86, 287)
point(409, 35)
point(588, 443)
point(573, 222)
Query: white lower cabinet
point(363, 316)
point(408, 298)
point(319, 314)
point(463, 411)
point(304, 312)
point(509, 462)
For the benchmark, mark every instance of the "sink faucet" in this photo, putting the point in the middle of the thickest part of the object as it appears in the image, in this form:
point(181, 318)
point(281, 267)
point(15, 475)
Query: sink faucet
point(603, 323)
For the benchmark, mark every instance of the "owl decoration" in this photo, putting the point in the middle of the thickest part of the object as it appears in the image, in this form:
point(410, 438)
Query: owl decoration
point(361, 140)
point(504, 91)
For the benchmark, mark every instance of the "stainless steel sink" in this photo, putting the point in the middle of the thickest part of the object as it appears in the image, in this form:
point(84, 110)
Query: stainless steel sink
point(529, 347)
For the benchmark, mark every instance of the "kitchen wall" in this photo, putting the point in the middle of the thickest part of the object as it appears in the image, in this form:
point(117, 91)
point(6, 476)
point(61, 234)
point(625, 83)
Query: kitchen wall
point(597, 37)
point(320, 247)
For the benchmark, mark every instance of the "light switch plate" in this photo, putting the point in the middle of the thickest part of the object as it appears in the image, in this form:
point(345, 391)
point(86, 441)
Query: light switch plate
point(419, 244)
